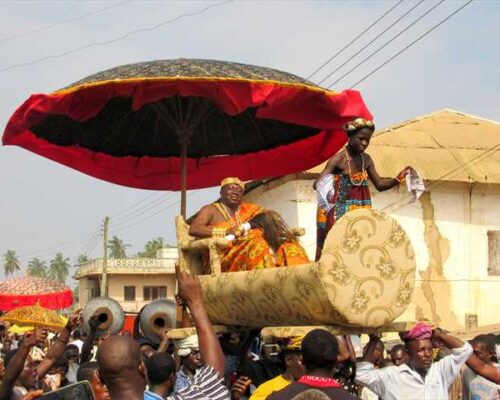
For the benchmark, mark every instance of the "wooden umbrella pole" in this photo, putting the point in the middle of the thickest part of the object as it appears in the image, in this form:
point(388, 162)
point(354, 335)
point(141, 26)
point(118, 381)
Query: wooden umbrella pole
point(184, 135)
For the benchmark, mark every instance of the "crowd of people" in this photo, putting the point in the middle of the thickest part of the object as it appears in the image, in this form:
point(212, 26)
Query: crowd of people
point(427, 364)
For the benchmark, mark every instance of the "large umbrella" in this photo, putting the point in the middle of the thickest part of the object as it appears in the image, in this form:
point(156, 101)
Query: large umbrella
point(35, 317)
point(29, 291)
point(185, 124)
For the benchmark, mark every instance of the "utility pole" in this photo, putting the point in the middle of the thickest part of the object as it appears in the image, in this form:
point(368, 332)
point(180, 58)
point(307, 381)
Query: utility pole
point(104, 280)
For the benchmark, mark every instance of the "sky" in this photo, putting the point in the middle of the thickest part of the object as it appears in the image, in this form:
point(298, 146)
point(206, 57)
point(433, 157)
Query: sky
point(47, 208)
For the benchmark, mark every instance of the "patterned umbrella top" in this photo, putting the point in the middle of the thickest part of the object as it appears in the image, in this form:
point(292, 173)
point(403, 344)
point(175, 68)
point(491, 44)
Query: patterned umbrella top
point(193, 68)
point(35, 316)
point(31, 286)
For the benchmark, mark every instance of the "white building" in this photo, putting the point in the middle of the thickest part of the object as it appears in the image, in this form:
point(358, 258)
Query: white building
point(454, 227)
point(133, 282)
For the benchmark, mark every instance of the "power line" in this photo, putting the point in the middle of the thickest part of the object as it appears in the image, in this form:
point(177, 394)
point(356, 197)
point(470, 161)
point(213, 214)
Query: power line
point(146, 207)
point(354, 40)
point(154, 214)
point(411, 44)
point(111, 41)
point(48, 27)
point(371, 41)
point(386, 43)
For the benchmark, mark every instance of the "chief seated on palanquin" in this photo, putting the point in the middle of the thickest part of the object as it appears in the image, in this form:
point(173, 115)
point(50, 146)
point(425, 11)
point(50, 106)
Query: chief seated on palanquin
point(257, 238)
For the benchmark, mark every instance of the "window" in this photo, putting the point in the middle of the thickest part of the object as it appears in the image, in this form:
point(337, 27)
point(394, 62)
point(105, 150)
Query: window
point(129, 293)
point(155, 292)
point(493, 252)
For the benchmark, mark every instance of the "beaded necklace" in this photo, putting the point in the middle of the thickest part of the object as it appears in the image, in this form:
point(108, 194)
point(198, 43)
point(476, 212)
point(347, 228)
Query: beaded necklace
point(354, 182)
point(227, 215)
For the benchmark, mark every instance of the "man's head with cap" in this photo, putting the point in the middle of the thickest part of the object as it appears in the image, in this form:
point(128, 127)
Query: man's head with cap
point(231, 191)
point(419, 346)
point(293, 358)
point(189, 352)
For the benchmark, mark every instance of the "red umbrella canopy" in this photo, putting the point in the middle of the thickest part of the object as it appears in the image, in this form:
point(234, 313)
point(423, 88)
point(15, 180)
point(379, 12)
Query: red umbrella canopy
point(128, 125)
point(29, 291)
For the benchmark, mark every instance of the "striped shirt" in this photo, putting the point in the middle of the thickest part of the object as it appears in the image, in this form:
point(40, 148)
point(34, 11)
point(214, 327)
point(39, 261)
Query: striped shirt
point(206, 385)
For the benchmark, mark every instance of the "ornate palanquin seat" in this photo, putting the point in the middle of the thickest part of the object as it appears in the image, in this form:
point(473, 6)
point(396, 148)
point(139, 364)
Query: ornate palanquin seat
point(364, 278)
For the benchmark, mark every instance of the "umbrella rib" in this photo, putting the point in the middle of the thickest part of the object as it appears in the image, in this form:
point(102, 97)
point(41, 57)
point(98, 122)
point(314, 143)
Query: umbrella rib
point(257, 128)
point(228, 128)
point(113, 131)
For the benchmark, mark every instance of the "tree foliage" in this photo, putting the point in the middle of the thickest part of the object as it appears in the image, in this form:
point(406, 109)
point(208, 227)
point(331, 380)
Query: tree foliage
point(116, 247)
point(59, 267)
point(151, 247)
point(82, 258)
point(37, 267)
point(11, 262)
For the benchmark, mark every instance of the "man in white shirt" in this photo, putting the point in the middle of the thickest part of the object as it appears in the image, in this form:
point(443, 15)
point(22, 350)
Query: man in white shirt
point(474, 386)
point(420, 379)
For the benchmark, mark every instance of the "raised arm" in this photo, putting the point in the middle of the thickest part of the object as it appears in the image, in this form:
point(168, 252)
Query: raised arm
point(192, 294)
point(366, 373)
point(382, 184)
point(89, 340)
point(200, 227)
point(451, 365)
point(16, 364)
point(487, 371)
point(59, 346)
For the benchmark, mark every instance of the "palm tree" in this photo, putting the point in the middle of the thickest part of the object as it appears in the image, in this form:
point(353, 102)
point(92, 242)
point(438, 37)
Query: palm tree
point(37, 267)
point(117, 248)
point(151, 247)
point(82, 258)
point(11, 262)
point(59, 267)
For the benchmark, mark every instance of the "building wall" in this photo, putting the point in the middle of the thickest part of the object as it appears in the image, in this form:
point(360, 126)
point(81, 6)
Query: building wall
point(448, 228)
point(118, 282)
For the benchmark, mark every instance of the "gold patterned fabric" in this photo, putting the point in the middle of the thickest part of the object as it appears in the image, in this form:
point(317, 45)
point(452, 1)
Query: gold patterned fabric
point(365, 278)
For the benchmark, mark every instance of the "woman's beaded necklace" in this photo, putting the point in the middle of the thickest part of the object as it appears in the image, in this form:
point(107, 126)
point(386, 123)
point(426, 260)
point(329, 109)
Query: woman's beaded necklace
point(348, 158)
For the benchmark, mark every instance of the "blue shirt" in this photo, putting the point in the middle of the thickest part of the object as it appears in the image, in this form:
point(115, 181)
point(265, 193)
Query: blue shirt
point(149, 395)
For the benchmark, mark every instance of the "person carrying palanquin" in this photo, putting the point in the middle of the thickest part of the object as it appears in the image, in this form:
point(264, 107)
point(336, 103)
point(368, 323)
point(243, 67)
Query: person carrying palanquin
point(343, 185)
point(259, 238)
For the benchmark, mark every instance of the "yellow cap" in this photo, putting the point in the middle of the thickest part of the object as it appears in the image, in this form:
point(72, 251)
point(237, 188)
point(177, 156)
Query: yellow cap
point(295, 344)
point(232, 180)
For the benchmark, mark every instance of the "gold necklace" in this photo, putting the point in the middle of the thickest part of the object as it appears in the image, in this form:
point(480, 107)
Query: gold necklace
point(227, 215)
point(355, 182)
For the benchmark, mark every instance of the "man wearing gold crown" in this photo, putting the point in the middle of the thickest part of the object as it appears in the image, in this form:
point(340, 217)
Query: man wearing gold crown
point(258, 238)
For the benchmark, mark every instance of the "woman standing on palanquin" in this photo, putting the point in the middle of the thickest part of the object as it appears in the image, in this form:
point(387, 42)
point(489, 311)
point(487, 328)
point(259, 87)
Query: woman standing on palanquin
point(343, 184)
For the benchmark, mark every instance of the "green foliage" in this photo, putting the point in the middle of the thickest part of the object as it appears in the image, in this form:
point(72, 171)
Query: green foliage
point(59, 267)
point(151, 247)
point(82, 258)
point(37, 267)
point(117, 248)
point(11, 262)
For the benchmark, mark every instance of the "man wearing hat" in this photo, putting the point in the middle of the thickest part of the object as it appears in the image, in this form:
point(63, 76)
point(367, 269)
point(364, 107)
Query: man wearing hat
point(188, 351)
point(294, 371)
point(235, 219)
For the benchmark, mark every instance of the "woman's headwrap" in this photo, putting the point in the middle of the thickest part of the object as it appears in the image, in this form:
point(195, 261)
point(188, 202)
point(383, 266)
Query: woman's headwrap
point(420, 331)
point(186, 346)
point(358, 124)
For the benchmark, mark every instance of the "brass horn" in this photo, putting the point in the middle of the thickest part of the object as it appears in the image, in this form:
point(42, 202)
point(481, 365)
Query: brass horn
point(109, 313)
point(156, 317)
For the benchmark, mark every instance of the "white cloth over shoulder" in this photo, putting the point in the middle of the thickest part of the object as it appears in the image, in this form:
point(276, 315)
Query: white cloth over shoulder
point(325, 190)
point(415, 184)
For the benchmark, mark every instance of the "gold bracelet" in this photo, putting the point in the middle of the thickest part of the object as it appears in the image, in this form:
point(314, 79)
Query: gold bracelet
point(218, 232)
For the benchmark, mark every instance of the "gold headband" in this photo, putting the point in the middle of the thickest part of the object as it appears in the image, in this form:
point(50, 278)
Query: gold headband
point(357, 124)
point(232, 180)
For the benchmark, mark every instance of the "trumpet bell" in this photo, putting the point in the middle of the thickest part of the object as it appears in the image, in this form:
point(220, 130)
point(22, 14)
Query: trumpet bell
point(156, 317)
point(109, 312)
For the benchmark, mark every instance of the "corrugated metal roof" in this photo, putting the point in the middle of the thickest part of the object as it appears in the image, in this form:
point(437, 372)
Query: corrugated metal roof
point(446, 145)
